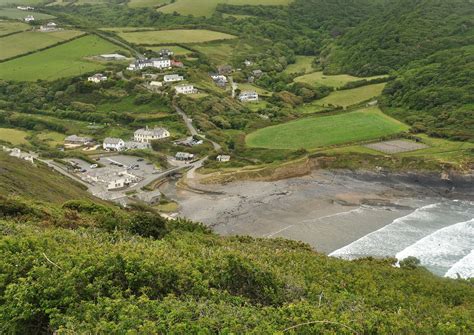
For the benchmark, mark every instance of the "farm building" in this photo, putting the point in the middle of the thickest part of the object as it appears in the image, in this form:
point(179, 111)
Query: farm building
point(223, 158)
point(248, 96)
point(50, 26)
point(147, 135)
point(165, 53)
point(29, 18)
point(97, 78)
point(184, 156)
point(134, 145)
point(111, 143)
point(185, 89)
point(113, 57)
point(172, 78)
point(156, 83)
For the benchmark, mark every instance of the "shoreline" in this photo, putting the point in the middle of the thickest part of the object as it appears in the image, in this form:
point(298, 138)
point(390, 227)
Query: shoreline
point(326, 209)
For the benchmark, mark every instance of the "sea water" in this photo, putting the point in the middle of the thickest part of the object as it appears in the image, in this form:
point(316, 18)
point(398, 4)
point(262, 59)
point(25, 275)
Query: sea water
point(440, 235)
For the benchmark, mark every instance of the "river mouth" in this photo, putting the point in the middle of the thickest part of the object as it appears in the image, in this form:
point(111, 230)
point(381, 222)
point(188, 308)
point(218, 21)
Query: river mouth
point(337, 213)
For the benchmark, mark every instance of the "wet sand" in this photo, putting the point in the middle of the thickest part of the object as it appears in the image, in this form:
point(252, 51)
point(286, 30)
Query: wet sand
point(324, 209)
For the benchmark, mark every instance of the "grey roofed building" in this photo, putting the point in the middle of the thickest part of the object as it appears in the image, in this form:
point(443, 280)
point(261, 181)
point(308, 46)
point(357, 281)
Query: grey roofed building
point(74, 139)
point(112, 140)
point(184, 156)
point(130, 145)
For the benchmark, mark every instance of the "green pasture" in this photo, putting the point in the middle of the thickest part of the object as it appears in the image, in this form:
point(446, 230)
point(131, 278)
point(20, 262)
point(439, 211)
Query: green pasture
point(252, 87)
point(302, 64)
point(154, 37)
point(29, 41)
point(353, 96)
point(13, 13)
point(20, 2)
point(8, 27)
point(64, 60)
point(207, 7)
point(14, 136)
point(319, 131)
point(52, 138)
point(336, 81)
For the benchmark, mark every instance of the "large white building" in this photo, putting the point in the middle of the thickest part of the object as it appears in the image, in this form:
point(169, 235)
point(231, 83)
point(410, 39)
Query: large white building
point(111, 143)
point(169, 78)
point(185, 89)
point(248, 96)
point(159, 63)
point(29, 18)
point(146, 135)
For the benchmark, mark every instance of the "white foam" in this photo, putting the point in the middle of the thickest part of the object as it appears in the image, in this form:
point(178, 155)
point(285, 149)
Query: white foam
point(464, 267)
point(442, 248)
point(406, 231)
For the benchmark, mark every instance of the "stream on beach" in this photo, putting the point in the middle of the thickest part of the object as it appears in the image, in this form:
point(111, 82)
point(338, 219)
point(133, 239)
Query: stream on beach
point(347, 215)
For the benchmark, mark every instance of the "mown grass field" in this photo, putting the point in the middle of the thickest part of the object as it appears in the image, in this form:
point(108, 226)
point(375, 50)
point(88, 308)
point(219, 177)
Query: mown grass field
point(336, 81)
point(13, 13)
point(52, 138)
point(302, 64)
point(222, 52)
point(8, 27)
point(207, 7)
point(14, 136)
point(353, 96)
point(314, 132)
point(62, 61)
point(178, 51)
point(251, 87)
point(29, 41)
point(155, 37)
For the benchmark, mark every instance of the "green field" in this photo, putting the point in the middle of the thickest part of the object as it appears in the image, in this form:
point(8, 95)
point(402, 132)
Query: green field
point(13, 13)
point(52, 138)
point(14, 136)
point(155, 37)
point(336, 81)
point(207, 7)
point(313, 132)
point(8, 27)
point(62, 61)
point(353, 96)
point(302, 64)
point(251, 87)
point(20, 2)
point(178, 51)
point(29, 41)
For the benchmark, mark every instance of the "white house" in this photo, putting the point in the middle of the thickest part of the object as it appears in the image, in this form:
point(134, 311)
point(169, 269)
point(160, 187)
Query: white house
point(161, 62)
point(147, 135)
point(218, 77)
point(97, 78)
point(248, 96)
point(25, 8)
point(50, 26)
point(172, 78)
point(111, 143)
point(185, 89)
point(223, 158)
point(29, 18)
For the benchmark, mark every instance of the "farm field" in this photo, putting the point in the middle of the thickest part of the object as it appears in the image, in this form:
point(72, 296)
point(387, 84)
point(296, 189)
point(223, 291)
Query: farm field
point(178, 51)
point(62, 61)
point(13, 13)
point(8, 27)
point(146, 3)
point(336, 81)
point(302, 64)
point(155, 37)
point(207, 7)
point(221, 52)
point(14, 136)
point(251, 87)
point(52, 138)
point(29, 41)
point(313, 132)
point(353, 96)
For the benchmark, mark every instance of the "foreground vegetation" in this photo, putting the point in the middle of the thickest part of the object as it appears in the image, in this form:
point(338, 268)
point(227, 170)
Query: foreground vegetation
point(82, 267)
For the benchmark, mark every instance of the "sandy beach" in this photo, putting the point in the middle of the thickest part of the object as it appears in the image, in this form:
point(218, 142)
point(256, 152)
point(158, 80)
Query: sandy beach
point(325, 209)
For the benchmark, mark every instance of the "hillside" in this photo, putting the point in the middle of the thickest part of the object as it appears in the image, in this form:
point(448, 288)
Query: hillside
point(20, 178)
point(400, 32)
point(87, 268)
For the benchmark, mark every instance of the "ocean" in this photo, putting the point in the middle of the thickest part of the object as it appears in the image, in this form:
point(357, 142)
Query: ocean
point(440, 235)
